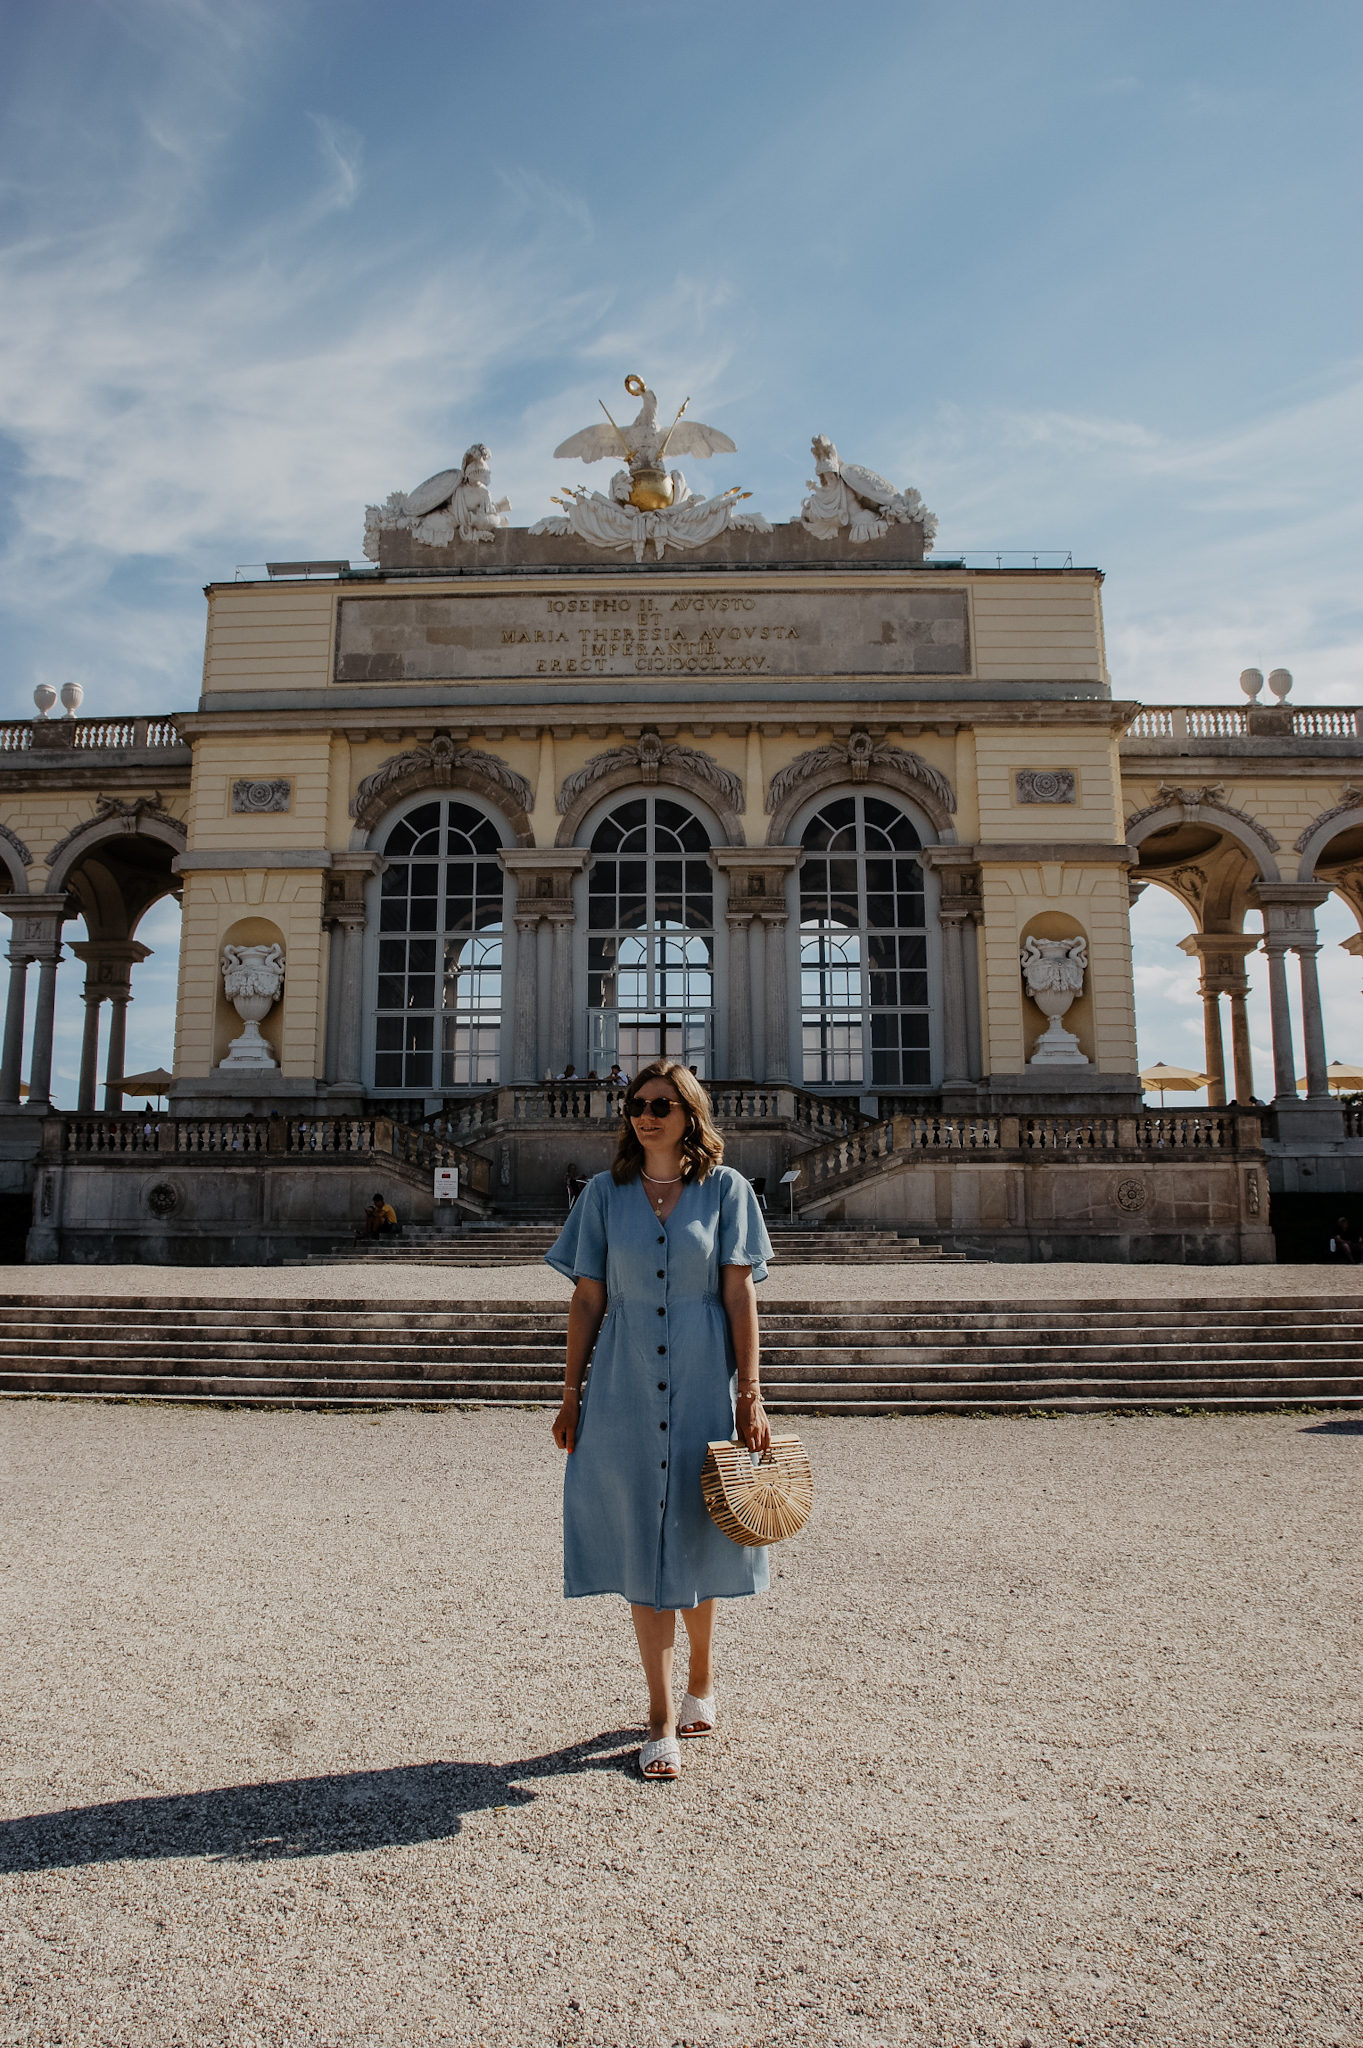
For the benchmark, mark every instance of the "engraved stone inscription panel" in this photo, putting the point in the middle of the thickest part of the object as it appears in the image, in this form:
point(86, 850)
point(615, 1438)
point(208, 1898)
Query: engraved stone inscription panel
point(728, 633)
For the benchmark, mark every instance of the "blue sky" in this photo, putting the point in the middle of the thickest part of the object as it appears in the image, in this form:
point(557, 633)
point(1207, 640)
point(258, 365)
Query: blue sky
point(1085, 275)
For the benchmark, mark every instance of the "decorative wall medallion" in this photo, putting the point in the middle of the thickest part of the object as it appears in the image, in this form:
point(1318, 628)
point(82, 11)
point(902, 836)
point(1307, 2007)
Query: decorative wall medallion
point(1131, 1195)
point(1045, 786)
point(261, 796)
point(163, 1200)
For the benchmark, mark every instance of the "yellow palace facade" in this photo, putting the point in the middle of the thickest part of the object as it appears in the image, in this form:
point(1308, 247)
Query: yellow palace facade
point(852, 829)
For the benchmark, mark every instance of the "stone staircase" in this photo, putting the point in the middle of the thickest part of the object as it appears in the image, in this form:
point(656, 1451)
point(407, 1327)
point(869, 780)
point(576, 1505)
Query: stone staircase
point(523, 1244)
point(829, 1357)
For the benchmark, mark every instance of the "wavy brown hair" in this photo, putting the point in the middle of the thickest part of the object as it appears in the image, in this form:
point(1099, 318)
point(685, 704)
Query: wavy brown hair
point(701, 1145)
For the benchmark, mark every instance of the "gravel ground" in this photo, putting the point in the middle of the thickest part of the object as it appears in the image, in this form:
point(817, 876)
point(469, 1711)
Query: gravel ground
point(1045, 1733)
point(966, 1282)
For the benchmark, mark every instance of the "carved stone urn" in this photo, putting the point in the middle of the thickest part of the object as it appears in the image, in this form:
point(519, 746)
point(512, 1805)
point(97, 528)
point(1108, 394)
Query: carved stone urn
point(1053, 970)
point(252, 977)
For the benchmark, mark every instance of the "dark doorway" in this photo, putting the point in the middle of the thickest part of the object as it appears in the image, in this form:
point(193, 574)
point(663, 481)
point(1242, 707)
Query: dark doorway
point(1303, 1225)
point(16, 1218)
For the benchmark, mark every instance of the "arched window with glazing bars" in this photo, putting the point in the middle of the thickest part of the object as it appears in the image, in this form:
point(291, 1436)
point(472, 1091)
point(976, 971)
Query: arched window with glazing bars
point(439, 996)
point(650, 937)
point(865, 1018)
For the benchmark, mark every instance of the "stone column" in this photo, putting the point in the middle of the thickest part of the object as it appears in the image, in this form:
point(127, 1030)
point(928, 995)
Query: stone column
point(1290, 924)
point(1312, 1025)
point(1214, 1051)
point(350, 1036)
point(113, 1068)
point(974, 1035)
point(1222, 956)
point(544, 877)
point(740, 997)
point(89, 1053)
point(346, 915)
point(959, 911)
point(777, 997)
point(331, 1051)
point(756, 878)
point(48, 957)
point(1240, 1046)
point(11, 1068)
point(525, 1036)
point(561, 923)
point(1284, 1078)
point(955, 1049)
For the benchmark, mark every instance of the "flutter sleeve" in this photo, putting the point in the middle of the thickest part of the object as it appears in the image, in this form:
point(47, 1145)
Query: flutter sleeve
point(580, 1253)
point(743, 1239)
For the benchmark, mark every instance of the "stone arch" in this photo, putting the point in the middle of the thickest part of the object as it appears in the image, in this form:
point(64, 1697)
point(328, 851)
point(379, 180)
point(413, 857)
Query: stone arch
point(622, 769)
point(15, 861)
point(442, 767)
point(1346, 816)
point(113, 828)
point(860, 760)
point(1206, 805)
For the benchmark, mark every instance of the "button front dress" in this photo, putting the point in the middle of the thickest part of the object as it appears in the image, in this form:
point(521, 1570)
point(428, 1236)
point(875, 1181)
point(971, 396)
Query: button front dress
point(660, 1389)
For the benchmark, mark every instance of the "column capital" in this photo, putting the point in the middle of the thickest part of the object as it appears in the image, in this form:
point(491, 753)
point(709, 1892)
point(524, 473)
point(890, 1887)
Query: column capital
point(773, 918)
point(544, 874)
point(36, 921)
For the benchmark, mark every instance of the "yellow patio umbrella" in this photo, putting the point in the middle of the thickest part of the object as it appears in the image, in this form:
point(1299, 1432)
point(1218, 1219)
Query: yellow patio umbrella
point(1344, 1077)
point(1180, 1080)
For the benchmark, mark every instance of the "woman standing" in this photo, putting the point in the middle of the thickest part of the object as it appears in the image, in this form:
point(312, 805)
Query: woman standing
point(664, 1250)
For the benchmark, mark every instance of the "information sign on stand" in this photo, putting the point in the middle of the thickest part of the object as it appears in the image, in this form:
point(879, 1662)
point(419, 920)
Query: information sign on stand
point(447, 1183)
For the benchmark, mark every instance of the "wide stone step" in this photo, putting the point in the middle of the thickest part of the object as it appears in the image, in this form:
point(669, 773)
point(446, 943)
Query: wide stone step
point(868, 1398)
point(827, 1357)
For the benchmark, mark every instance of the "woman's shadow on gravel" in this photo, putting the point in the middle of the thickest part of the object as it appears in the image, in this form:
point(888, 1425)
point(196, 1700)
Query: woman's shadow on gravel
point(296, 1816)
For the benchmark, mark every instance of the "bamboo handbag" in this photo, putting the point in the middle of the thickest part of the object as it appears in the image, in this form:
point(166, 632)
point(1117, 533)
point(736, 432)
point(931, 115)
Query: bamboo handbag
point(758, 1501)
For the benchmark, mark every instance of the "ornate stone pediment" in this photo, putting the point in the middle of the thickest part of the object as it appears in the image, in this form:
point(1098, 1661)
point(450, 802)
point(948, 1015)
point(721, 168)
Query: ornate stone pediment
point(860, 757)
point(1192, 802)
point(113, 810)
point(436, 767)
point(648, 758)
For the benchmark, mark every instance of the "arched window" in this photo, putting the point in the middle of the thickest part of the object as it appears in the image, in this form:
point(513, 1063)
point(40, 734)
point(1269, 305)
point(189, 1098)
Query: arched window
point(650, 937)
point(863, 949)
point(440, 951)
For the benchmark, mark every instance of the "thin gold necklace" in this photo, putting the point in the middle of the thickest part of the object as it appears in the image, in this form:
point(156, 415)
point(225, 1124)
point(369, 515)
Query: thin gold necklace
point(662, 1180)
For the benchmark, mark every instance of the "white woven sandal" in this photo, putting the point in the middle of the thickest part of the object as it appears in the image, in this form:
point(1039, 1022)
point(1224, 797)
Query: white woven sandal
point(695, 1717)
point(664, 1750)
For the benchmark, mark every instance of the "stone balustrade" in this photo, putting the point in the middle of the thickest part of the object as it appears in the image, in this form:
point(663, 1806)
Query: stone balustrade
point(1233, 721)
point(295, 1138)
point(860, 1152)
point(734, 1105)
point(90, 735)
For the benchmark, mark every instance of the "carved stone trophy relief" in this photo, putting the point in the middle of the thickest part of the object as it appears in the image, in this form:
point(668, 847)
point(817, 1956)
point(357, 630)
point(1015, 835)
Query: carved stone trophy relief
point(858, 502)
point(252, 978)
point(1053, 970)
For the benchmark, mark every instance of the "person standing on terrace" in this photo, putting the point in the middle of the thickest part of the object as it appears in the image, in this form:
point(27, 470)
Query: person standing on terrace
point(664, 1250)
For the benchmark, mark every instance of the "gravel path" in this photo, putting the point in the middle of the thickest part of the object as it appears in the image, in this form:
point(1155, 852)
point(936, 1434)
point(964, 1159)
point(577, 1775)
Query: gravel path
point(966, 1282)
point(1043, 1734)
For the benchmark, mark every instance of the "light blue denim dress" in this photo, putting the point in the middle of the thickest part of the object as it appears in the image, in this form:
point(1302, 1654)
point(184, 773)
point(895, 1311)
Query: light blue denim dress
point(661, 1387)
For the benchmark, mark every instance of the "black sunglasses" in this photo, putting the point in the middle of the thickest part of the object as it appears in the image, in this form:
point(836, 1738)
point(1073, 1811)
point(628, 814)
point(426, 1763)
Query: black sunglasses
point(661, 1106)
